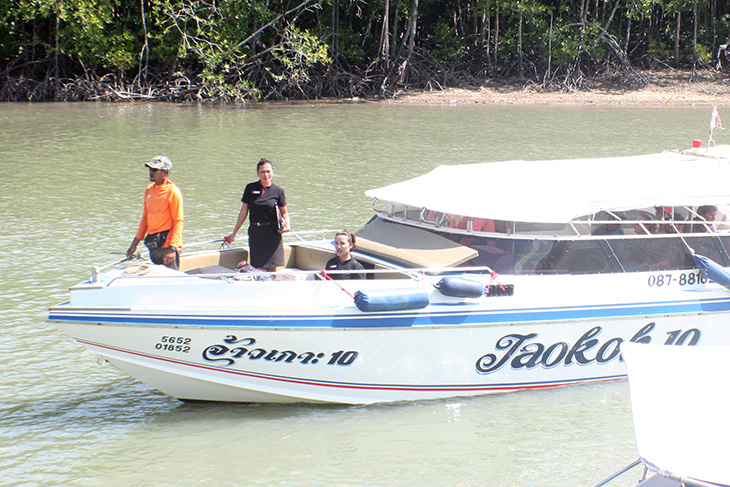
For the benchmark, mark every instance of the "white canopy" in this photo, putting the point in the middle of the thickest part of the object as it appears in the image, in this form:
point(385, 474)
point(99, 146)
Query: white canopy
point(561, 190)
point(680, 401)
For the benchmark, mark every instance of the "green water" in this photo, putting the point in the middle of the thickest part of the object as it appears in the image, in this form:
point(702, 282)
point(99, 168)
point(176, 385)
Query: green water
point(72, 178)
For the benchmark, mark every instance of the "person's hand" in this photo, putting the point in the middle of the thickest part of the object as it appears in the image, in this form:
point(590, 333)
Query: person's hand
point(131, 250)
point(230, 238)
point(169, 257)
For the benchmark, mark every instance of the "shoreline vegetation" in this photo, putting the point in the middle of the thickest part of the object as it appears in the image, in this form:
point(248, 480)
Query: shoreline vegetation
point(663, 88)
point(615, 52)
point(666, 87)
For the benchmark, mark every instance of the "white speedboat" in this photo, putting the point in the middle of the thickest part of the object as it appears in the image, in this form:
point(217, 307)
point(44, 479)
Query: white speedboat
point(482, 278)
point(679, 403)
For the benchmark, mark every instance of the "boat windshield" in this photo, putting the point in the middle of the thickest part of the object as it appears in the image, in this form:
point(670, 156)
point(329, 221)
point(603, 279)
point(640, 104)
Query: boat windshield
point(654, 220)
point(651, 239)
point(520, 256)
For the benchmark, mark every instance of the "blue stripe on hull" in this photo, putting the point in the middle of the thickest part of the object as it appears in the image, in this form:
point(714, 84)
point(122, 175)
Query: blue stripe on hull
point(433, 315)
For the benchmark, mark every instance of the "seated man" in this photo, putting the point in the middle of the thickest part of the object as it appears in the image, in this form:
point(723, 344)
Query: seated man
point(609, 228)
point(706, 215)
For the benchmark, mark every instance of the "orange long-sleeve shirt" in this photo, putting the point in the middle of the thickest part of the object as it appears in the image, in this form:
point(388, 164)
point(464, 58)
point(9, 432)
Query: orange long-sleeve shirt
point(163, 210)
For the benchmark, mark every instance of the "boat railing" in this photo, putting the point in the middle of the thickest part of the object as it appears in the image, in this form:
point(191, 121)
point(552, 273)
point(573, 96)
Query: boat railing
point(308, 235)
point(580, 228)
point(298, 235)
point(621, 472)
point(677, 480)
point(144, 271)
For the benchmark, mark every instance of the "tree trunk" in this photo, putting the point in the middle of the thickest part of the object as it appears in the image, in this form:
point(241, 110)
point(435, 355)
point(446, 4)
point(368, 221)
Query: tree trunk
point(57, 68)
point(336, 27)
point(384, 49)
point(394, 36)
point(410, 37)
point(713, 26)
point(628, 29)
point(550, 48)
point(496, 37)
point(519, 39)
point(144, 55)
point(694, 32)
point(676, 39)
point(483, 36)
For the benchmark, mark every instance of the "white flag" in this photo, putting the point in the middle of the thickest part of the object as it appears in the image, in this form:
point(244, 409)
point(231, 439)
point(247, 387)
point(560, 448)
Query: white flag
point(715, 120)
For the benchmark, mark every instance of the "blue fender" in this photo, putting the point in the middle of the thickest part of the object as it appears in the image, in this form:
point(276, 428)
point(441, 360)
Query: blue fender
point(391, 300)
point(713, 270)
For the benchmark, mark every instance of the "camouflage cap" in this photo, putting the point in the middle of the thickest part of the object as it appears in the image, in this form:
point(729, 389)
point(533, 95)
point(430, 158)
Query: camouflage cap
point(160, 162)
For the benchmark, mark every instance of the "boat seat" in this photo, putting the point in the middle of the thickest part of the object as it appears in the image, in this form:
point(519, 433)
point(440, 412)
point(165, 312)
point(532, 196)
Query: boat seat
point(311, 258)
point(228, 258)
point(410, 246)
point(210, 269)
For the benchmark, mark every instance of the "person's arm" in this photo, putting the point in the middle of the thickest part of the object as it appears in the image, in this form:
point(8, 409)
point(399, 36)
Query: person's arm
point(141, 229)
point(133, 248)
point(285, 217)
point(239, 222)
point(174, 238)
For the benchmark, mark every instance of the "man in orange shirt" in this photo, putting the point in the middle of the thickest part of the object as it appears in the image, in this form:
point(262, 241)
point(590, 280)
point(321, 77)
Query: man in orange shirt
point(162, 217)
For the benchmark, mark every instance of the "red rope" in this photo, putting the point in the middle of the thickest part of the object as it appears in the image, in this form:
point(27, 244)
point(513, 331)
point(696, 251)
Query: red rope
point(493, 275)
point(326, 276)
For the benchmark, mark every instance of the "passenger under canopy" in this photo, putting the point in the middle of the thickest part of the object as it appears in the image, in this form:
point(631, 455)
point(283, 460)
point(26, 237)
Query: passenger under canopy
point(410, 246)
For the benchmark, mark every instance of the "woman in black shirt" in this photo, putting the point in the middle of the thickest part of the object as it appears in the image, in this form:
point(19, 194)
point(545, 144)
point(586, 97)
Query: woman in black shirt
point(266, 202)
point(343, 261)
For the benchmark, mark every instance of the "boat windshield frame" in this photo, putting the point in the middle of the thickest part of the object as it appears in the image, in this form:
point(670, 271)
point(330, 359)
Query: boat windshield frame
point(681, 219)
point(638, 241)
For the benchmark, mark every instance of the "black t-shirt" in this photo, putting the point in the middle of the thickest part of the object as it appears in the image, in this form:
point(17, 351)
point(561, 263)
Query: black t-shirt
point(349, 265)
point(262, 201)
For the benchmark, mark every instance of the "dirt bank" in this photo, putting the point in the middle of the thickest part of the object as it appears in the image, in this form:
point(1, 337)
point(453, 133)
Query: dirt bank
point(662, 88)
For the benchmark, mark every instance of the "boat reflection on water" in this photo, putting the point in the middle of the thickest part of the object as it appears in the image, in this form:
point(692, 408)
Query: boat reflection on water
point(679, 403)
point(481, 278)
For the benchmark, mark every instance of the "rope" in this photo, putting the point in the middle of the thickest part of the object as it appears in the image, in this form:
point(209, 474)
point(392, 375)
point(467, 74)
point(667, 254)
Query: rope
point(137, 269)
point(493, 276)
point(195, 244)
point(691, 250)
point(131, 257)
point(326, 276)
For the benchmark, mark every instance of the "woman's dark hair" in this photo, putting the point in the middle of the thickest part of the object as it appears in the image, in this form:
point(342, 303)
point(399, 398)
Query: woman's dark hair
point(350, 236)
point(704, 210)
point(262, 162)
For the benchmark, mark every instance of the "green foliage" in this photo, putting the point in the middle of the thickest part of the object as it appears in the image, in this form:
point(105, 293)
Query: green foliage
point(91, 32)
point(350, 49)
point(704, 53)
point(298, 51)
point(216, 87)
point(444, 44)
point(236, 49)
point(565, 46)
point(660, 50)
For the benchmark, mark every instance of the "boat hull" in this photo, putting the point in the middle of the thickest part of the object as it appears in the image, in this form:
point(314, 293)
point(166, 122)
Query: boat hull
point(262, 362)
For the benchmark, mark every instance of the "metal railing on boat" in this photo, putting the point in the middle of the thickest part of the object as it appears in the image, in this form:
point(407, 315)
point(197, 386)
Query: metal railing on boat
point(414, 274)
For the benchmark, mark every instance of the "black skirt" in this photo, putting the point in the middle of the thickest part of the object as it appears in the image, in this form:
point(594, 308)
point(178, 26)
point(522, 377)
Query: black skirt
point(267, 248)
